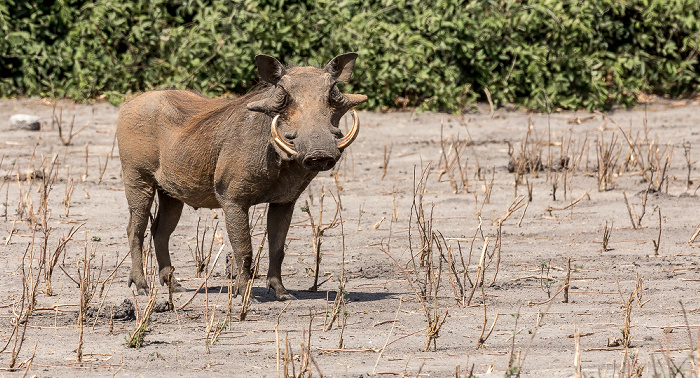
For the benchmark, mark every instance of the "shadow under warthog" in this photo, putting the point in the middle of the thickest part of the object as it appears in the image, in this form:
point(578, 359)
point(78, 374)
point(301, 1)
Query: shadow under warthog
point(261, 294)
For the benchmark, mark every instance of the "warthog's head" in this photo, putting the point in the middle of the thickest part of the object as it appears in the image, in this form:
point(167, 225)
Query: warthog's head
point(306, 107)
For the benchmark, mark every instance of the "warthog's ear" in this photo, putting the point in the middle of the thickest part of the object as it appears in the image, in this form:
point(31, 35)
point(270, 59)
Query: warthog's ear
point(341, 66)
point(269, 68)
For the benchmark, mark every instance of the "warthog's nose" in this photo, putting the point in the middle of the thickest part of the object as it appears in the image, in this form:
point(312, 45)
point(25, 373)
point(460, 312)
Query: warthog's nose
point(318, 162)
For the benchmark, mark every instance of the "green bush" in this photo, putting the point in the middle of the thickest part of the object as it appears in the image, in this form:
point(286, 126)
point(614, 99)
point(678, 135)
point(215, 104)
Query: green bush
point(440, 54)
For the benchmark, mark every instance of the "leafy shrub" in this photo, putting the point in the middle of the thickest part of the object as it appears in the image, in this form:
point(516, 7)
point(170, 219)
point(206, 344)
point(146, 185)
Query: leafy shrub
point(439, 54)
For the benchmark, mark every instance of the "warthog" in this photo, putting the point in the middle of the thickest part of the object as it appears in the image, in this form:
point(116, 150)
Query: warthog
point(264, 147)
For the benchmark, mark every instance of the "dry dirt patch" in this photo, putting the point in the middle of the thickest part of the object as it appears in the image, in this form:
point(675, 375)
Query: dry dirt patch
point(432, 206)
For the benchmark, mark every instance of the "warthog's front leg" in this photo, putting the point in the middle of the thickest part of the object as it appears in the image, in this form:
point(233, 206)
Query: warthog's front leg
point(239, 236)
point(278, 218)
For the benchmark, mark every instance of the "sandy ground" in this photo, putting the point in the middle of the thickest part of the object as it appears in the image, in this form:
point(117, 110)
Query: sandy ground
point(384, 329)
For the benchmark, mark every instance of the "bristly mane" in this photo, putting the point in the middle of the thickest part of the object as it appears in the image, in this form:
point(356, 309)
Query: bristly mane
point(205, 111)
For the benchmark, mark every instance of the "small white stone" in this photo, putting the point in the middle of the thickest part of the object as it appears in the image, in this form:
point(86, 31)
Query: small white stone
point(24, 122)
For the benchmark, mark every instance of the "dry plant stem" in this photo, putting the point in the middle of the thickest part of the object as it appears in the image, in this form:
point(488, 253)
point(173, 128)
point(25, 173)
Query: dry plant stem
point(695, 348)
point(359, 216)
point(137, 312)
point(568, 280)
point(7, 196)
point(340, 302)
point(657, 242)
point(88, 287)
point(249, 287)
point(465, 267)
point(433, 324)
point(198, 254)
point(607, 161)
point(103, 169)
point(205, 279)
point(29, 290)
point(288, 358)
point(387, 157)
point(112, 274)
point(424, 227)
point(520, 220)
point(515, 206)
point(561, 289)
point(70, 187)
point(695, 235)
point(220, 327)
point(99, 308)
point(202, 259)
point(634, 147)
point(636, 294)
point(212, 337)
point(393, 324)
point(606, 236)
point(85, 175)
point(534, 333)
point(171, 288)
point(479, 278)
point(305, 359)
point(549, 209)
point(455, 282)
point(512, 361)
point(342, 329)
point(488, 98)
point(317, 232)
point(629, 211)
point(67, 140)
point(578, 373)
point(688, 160)
point(277, 336)
point(135, 339)
point(644, 206)
point(114, 143)
point(29, 361)
point(459, 147)
point(52, 259)
point(485, 335)
point(447, 170)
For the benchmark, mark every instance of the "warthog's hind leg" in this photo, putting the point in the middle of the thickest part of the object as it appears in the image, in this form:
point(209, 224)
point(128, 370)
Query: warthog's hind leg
point(140, 199)
point(278, 218)
point(169, 211)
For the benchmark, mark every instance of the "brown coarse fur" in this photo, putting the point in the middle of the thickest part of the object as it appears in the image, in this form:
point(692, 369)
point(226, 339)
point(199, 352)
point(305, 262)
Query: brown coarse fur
point(217, 153)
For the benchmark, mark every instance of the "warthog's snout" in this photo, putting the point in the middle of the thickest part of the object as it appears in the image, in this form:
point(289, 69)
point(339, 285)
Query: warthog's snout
point(318, 161)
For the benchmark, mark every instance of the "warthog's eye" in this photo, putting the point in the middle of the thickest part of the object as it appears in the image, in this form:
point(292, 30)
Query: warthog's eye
point(282, 100)
point(336, 98)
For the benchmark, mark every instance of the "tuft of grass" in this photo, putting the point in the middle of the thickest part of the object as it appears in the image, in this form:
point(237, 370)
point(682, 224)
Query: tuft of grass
point(136, 338)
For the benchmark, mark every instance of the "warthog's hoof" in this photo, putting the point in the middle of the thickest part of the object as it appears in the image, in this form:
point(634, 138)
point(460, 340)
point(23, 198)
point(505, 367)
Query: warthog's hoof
point(286, 297)
point(177, 288)
point(140, 289)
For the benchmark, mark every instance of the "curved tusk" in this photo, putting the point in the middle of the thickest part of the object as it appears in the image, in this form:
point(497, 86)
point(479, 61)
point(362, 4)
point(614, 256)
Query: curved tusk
point(284, 146)
point(352, 134)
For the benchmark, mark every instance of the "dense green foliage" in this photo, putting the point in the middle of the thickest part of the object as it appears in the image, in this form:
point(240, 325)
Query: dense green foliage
point(438, 54)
